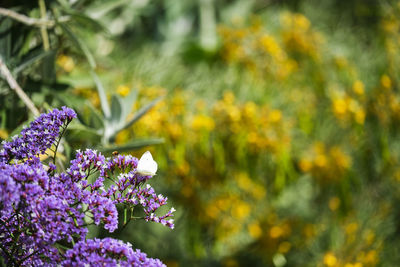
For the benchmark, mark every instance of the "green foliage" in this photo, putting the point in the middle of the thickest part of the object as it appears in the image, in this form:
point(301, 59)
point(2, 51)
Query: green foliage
point(31, 55)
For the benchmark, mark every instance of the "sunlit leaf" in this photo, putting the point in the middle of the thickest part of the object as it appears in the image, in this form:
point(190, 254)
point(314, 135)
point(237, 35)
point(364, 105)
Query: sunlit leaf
point(102, 94)
point(116, 110)
point(141, 112)
point(134, 145)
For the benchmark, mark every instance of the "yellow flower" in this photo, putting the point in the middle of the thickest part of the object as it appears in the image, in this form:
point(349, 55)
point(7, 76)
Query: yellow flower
point(321, 161)
point(301, 22)
point(341, 62)
point(305, 165)
point(203, 122)
point(243, 181)
point(334, 203)
point(386, 82)
point(369, 236)
point(241, 210)
point(330, 259)
point(340, 158)
point(275, 116)
point(360, 116)
point(351, 228)
point(339, 106)
point(270, 46)
point(254, 230)
point(3, 134)
point(250, 110)
point(284, 247)
point(371, 258)
point(66, 62)
point(358, 87)
point(123, 90)
point(356, 264)
point(276, 232)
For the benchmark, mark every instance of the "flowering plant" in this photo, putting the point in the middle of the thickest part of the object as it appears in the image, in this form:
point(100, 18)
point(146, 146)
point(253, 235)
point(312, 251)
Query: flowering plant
point(44, 212)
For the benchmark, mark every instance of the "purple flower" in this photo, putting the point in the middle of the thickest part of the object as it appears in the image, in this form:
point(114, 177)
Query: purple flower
point(9, 191)
point(118, 254)
point(41, 209)
point(38, 137)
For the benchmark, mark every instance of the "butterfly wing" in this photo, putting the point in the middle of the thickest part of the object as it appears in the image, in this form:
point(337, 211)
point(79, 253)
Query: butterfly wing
point(146, 164)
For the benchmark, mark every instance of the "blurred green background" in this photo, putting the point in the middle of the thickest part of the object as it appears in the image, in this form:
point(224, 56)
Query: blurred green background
point(275, 123)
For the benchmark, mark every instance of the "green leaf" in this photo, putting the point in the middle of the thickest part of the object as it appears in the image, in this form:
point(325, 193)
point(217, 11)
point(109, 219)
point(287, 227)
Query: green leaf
point(3, 118)
point(134, 145)
point(48, 67)
point(102, 94)
point(5, 40)
point(99, 10)
point(80, 44)
point(116, 111)
point(89, 118)
point(128, 103)
point(81, 132)
point(96, 116)
point(32, 57)
point(84, 20)
point(26, 46)
point(140, 113)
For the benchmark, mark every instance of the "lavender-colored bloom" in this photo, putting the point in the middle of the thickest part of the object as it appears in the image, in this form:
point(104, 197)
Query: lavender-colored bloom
point(35, 213)
point(9, 191)
point(118, 254)
point(39, 208)
point(38, 137)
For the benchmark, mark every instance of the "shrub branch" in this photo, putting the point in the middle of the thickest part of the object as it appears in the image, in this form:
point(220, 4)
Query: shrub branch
point(14, 85)
point(30, 21)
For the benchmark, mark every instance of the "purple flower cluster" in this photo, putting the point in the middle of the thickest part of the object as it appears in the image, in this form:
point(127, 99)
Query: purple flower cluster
point(85, 253)
point(44, 213)
point(38, 137)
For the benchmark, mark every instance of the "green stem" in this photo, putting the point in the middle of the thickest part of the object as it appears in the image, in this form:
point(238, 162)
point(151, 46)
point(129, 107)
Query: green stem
point(125, 215)
point(9, 256)
point(43, 29)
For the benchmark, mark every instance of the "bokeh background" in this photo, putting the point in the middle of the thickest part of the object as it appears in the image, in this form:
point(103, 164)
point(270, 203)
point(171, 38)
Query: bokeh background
point(275, 124)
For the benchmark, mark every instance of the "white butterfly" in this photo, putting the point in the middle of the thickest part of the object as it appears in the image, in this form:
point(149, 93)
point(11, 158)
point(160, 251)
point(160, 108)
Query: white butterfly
point(146, 165)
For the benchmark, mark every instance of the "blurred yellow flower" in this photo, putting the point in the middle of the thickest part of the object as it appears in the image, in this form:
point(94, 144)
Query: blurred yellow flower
point(334, 203)
point(301, 22)
point(305, 165)
point(200, 122)
point(386, 82)
point(284, 247)
point(360, 116)
point(254, 230)
point(241, 210)
point(356, 264)
point(371, 258)
point(339, 106)
point(66, 62)
point(275, 116)
point(276, 232)
point(358, 87)
point(369, 236)
point(342, 160)
point(123, 90)
point(351, 228)
point(321, 161)
point(3, 134)
point(330, 259)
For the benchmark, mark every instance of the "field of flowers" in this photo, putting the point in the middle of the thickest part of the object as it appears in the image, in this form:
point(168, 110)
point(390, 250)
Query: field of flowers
point(277, 137)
